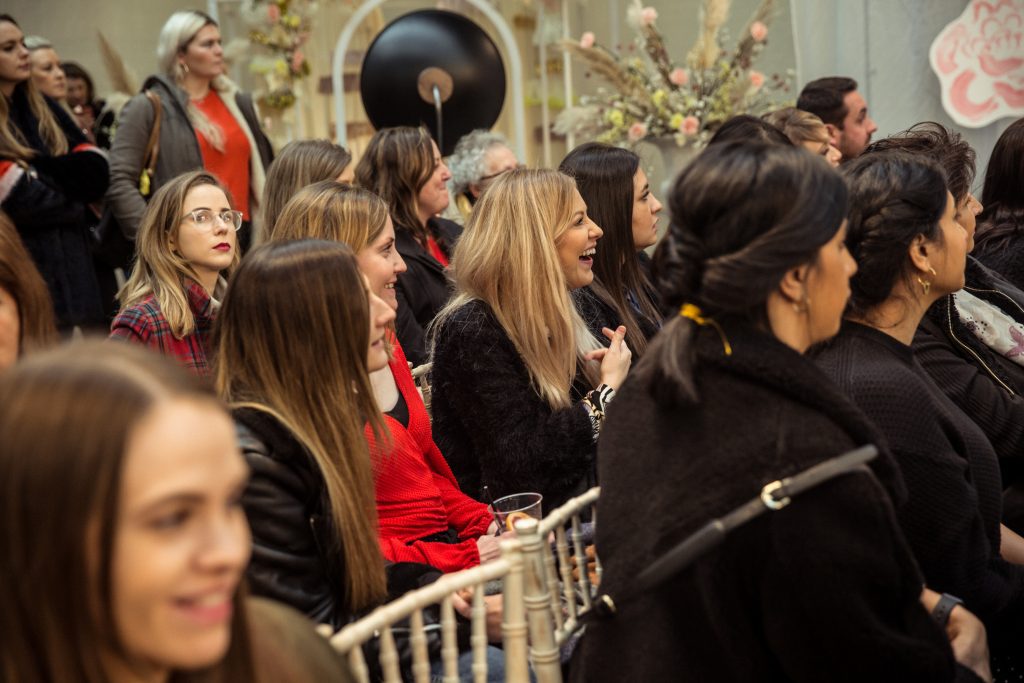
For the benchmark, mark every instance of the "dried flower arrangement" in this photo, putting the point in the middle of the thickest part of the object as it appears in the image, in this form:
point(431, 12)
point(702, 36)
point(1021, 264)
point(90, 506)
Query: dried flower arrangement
point(652, 96)
point(280, 28)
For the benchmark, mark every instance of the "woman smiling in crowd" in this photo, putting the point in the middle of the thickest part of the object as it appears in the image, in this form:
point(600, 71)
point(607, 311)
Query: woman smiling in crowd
point(517, 402)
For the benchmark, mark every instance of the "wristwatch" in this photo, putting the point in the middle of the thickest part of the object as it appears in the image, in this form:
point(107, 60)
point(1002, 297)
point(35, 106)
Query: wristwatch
point(943, 607)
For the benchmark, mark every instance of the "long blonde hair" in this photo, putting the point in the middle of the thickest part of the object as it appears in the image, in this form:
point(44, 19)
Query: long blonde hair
point(300, 163)
point(507, 258)
point(178, 31)
point(159, 269)
point(292, 339)
point(332, 211)
point(798, 125)
point(13, 145)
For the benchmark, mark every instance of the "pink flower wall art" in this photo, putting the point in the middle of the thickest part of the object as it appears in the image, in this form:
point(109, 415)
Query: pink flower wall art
point(979, 59)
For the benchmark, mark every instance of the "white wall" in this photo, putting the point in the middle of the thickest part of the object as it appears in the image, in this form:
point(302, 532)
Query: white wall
point(71, 25)
point(884, 44)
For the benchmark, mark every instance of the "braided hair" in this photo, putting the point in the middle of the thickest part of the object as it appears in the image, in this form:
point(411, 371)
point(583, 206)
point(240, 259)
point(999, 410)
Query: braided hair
point(742, 215)
point(894, 197)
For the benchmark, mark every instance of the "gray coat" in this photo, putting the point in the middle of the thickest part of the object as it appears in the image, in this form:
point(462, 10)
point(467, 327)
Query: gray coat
point(179, 147)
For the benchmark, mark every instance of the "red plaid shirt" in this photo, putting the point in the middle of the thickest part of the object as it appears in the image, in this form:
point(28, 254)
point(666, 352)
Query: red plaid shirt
point(144, 323)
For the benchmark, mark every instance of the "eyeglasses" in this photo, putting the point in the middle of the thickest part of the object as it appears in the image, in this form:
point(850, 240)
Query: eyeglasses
point(204, 218)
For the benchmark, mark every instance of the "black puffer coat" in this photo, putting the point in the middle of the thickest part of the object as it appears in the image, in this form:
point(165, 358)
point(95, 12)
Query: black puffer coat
point(825, 589)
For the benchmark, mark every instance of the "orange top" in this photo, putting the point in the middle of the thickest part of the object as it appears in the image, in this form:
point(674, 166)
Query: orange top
point(232, 165)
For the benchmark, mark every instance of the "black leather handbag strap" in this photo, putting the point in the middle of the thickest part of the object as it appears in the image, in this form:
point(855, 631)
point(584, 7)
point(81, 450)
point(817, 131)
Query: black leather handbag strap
point(774, 497)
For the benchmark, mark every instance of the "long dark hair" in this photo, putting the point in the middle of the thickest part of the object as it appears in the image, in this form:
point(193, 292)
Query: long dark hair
point(1003, 194)
point(604, 177)
point(67, 418)
point(316, 385)
point(742, 215)
point(954, 154)
point(894, 197)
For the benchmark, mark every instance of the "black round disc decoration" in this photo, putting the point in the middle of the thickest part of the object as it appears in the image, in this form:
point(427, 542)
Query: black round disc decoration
point(433, 39)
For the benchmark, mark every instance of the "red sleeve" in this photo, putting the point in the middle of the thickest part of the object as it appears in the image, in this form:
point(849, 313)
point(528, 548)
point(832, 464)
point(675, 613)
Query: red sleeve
point(448, 557)
point(469, 517)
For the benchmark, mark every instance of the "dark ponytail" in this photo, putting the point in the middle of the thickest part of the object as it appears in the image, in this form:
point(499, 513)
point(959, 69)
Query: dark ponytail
point(742, 215)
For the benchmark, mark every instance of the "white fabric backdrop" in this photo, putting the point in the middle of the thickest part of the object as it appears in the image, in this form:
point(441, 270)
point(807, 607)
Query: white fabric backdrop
point(884, 45)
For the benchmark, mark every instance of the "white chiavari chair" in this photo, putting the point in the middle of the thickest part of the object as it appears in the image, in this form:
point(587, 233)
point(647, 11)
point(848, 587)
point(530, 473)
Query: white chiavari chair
point(556, 599)
point(379, 624)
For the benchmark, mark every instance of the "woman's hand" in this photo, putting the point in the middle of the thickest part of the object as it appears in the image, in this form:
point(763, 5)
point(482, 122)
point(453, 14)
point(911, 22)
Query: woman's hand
point(615, 360)
point(494, 610)
point(489, 547)
point(1011, 545)
point(966, 636)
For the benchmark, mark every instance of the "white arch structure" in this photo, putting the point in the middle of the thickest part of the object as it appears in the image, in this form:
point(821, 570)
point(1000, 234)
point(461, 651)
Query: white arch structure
point(504, 32)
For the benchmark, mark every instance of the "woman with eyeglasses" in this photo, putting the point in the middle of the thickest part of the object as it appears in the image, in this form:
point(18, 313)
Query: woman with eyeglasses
point(479, 157)
point(187, 239)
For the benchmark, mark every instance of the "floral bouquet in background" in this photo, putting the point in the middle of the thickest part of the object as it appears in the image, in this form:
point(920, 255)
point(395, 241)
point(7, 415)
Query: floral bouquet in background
point(649, 95)
point(279, 28)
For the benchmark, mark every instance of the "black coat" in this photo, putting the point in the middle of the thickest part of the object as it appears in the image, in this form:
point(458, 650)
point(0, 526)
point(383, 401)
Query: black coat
point(984, 384)
point(598, 314)
point(48, 208)
point(825, 589)
point(952, 515)
point(297, 557)
point(492, 425)
point(424, 288)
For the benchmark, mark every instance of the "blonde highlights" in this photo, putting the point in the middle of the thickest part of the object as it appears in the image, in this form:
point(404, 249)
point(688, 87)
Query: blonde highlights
point(332, 211)
point(507, 258)
point(13, 145)
point(397, 164)
point(292, 339)
point(175, 36)
point(159, 269)
point(798, 125)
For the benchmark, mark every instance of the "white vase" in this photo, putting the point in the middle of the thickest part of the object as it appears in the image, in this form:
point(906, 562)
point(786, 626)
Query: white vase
point(662, 160)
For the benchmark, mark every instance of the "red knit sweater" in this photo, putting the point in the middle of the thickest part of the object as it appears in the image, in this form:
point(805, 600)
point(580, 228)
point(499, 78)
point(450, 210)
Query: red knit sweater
point(417, 495)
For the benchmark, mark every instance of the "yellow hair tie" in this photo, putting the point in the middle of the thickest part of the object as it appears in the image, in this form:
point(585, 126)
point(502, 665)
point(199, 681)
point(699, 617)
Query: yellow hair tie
point(694, 313)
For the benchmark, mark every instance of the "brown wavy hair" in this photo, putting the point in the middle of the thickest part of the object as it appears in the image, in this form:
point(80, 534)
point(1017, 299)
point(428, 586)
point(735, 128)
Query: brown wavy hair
point(159, 270)
point(66, 424)
point(300, 163)
point(397, 164)
point(18, 275)
point(332, 211)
